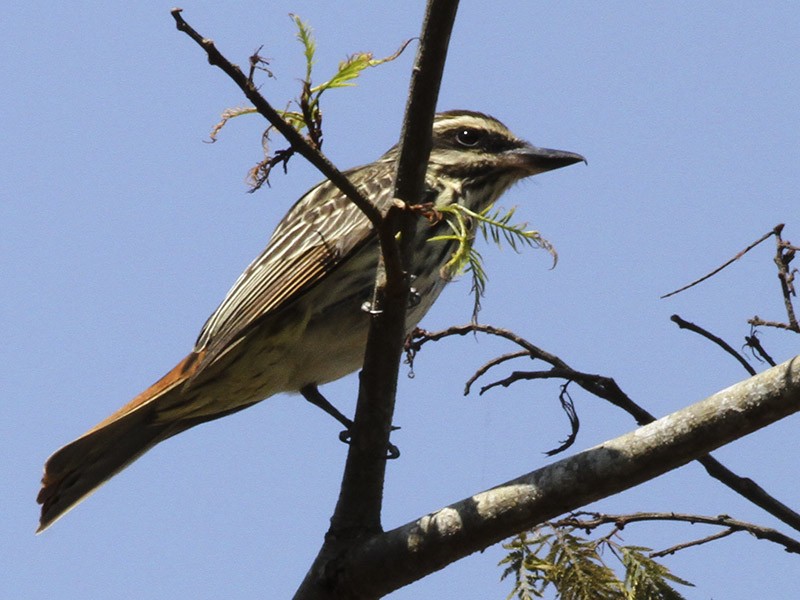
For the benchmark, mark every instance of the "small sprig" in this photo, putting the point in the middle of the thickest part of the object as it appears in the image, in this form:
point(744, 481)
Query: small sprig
point(574, 566)
point(304, 113)
point(495, 226)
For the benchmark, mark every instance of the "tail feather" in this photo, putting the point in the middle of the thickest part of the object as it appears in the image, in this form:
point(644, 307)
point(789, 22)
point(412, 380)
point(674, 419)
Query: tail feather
point(82, 466)
point(79, 468)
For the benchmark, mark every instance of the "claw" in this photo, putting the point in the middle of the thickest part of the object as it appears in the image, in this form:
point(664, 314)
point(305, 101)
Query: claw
point(367, 308)
point(392, 451)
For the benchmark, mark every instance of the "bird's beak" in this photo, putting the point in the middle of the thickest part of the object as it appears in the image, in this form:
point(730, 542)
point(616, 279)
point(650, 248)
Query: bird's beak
point(533, 160)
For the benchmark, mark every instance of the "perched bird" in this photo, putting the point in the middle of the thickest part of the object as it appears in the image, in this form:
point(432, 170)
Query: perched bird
point(294, 319)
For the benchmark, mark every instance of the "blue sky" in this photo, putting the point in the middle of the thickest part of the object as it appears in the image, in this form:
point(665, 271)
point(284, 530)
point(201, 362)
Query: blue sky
point(122, 230)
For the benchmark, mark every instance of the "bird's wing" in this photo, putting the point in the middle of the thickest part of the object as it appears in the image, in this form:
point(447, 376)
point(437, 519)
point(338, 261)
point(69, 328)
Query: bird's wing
point(321, 231)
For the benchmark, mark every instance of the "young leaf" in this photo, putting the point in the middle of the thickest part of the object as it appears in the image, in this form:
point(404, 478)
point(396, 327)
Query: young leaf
point(495, 226)
point(308, 117)
point(306, 38)
point(646, 579)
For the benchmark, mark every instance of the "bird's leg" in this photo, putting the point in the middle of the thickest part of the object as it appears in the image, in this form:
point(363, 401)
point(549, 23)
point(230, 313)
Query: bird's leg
point(313, 395)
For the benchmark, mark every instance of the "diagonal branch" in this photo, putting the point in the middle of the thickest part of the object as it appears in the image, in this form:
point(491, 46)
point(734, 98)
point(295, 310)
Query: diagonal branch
point(776, 231)
point(684, 324)
point(399, 557)
point(692, 543)
point(608, 389)
point(297, 141)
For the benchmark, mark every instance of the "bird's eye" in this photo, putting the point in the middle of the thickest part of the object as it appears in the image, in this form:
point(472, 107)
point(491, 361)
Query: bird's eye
point(469, 138)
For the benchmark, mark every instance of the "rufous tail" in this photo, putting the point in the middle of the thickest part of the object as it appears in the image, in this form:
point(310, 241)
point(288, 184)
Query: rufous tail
point(80, 467)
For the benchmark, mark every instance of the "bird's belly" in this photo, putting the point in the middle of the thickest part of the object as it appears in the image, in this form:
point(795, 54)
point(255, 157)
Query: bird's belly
point(311, 343)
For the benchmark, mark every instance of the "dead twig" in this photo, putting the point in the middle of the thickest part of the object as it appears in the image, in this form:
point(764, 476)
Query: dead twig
point(588, 521)
point(683, 324)
point(775, 231)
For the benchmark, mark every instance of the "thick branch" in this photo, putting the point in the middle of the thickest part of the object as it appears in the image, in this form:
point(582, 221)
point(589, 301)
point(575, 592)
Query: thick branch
point(607, 389)
point(408, 553)
point(358, 510)
point(362, 486)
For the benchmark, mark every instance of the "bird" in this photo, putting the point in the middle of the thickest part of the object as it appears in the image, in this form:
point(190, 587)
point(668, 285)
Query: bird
point(295, 318)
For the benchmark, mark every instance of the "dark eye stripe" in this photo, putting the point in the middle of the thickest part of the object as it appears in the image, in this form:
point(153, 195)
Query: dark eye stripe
point(488, 141)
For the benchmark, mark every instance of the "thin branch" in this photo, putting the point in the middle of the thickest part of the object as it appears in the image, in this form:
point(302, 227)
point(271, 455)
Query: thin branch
point(554, 373)
point(492, 363)
point(757, 321)
point(784, 255)
point(588, 521)
point(608, 389)
point(698, 542)
point(775, 231)
point(683, 324)
point(295, 139)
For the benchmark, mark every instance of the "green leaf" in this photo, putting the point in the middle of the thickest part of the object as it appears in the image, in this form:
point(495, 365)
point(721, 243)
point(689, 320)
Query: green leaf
point(496, 227)
point(307, 118)
point(646, 579)
point(306, 37)
point(571, 564)
point(351, 67)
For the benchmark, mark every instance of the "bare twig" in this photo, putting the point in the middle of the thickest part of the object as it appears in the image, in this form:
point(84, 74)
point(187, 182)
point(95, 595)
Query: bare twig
point(492, 363)
point(297, 141)
point(752, 342)
point(683, 324)
point(784, 255)
point(258, 63)
point(588, 521)
point(757, 321)
point(775, 231)
point(698, 542)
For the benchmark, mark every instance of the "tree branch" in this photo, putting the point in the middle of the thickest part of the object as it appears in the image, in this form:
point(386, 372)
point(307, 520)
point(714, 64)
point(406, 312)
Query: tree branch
point(592, 520)
point(358, 510)
point(784, 255)
point(691, 544)
point(608, 389)
point(776, 231)
point(394, 559)
point(297, 141)
point(684, 324)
